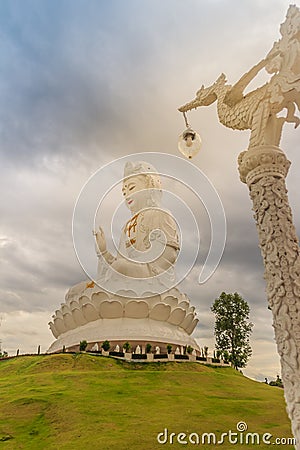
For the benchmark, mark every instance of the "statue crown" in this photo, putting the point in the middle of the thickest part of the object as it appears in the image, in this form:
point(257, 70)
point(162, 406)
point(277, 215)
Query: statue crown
point(143, 168)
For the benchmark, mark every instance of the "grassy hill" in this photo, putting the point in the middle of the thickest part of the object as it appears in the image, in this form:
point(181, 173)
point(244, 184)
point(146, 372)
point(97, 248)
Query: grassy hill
point(92, 402)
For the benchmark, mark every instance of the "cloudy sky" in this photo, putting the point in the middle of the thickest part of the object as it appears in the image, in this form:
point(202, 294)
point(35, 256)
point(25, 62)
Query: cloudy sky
point(83, 83)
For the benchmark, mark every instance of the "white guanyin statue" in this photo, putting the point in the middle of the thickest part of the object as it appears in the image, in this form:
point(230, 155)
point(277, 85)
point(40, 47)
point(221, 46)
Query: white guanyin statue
point(149, 241)
point(133, 298)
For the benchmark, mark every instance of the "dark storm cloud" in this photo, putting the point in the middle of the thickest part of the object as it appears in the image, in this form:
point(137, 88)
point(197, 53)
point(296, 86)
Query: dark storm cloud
point(76, 75)
point(60, 85)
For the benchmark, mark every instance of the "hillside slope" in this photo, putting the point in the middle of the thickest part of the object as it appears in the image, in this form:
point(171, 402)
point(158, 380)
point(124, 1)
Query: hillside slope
point(92, 402)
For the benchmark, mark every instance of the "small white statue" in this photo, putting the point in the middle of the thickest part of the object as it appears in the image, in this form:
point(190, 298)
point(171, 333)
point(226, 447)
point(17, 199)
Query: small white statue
point(117, 348)
point(157, 350)
point(177, 351)
point(95, 347)
point(138, 350)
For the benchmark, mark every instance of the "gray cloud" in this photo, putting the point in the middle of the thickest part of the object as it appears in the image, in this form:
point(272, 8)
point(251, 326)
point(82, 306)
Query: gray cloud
point(97, 75)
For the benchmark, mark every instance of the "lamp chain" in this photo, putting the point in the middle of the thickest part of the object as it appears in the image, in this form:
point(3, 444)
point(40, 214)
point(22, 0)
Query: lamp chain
point(185, 119)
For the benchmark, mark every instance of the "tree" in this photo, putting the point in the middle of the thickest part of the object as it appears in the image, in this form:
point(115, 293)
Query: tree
point(232, 328)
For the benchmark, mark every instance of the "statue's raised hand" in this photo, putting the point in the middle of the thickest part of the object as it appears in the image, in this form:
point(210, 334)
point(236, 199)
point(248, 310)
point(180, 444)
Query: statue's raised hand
point(100, 240)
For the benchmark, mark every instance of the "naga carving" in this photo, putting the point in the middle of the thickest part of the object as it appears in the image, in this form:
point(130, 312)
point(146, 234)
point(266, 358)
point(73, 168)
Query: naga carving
point(263, 167)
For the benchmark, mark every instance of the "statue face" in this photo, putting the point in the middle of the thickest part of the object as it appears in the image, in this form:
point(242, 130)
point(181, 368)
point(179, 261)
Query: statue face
point(134, 191)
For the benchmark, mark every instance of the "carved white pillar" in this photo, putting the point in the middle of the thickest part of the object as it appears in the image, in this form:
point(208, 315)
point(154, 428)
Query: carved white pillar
point(264, 170)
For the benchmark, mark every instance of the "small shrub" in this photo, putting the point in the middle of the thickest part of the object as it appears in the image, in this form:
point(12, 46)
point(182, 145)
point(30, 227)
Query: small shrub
point(160, 356)
point(139, 356)
point(148, 348)
point(277, 382)
point(83, 345)
point(120, 354)
point(106, 346)
point(189, 349)
point(181, 357)
point(216, 360)
point(169, 348)
point(226, 356)
point(127, 346)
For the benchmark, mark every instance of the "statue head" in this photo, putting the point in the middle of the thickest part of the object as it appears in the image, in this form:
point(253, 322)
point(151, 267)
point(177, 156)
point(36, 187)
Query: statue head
point(141, 186)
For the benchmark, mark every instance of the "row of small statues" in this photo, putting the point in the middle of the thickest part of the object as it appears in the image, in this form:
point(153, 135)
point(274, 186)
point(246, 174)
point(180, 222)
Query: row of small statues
point(138, 350)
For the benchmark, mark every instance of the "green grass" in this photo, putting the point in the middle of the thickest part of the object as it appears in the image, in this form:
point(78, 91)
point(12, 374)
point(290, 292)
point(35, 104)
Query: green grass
point(95, 403)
